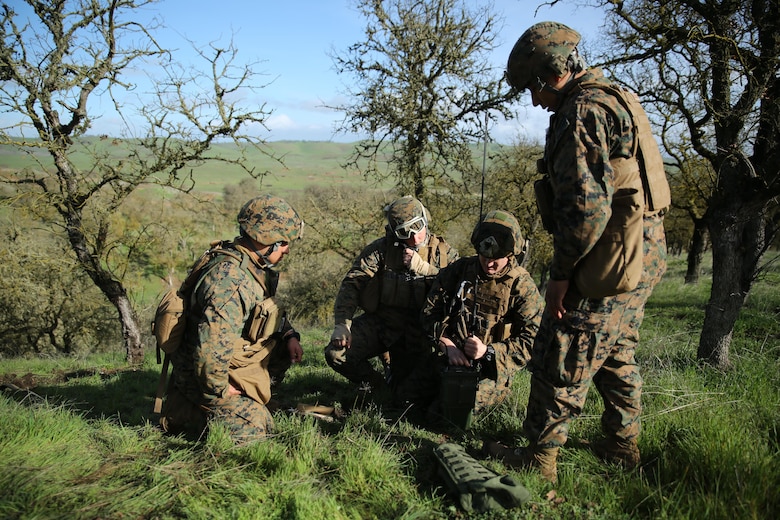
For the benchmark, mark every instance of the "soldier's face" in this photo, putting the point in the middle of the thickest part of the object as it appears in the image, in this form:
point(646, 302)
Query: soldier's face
point(493, 266)
point(416, 239)
point(276, 256)
point(545, 98)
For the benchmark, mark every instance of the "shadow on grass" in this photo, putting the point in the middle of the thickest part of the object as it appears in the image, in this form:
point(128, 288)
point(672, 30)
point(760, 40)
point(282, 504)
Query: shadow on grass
point(127, 395)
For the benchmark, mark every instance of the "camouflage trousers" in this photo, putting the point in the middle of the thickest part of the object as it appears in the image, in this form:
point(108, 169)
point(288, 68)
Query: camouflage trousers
point(398, 349)
point(594, 343)
point(245, 419)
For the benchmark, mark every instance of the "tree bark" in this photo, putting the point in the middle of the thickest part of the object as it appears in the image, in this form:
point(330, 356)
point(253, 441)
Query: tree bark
point(109, 285)
point(696, 251)
point(738, 243)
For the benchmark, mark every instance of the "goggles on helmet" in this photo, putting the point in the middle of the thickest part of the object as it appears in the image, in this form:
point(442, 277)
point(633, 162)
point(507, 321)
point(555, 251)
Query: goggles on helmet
point(410, 228)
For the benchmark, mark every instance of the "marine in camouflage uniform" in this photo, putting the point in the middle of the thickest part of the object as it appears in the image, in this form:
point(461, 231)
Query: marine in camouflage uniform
point(586, 340)
point(237, 343)
point(483, 312)
point(388, 281)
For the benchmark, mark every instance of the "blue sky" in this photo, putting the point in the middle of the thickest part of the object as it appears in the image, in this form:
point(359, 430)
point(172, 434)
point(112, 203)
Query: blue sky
point(291, 39)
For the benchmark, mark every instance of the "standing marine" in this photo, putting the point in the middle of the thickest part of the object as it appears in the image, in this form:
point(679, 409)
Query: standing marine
point(603, 198)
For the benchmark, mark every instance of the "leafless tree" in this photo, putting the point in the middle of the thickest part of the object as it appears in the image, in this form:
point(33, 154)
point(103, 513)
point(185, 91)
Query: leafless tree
point(56, 58)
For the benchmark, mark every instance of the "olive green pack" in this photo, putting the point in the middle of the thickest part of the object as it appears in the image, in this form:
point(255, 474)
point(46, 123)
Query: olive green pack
point(478, 489)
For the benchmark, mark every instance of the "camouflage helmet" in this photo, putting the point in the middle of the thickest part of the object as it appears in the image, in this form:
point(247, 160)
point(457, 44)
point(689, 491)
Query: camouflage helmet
point(406, 217)
point(268, 220)
point(541, 51)
point(498, 235)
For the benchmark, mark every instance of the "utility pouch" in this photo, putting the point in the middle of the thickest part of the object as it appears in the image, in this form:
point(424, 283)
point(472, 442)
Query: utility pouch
point(478, 488)
point(544, 202)
point(368, 299)
point(265, 321)
point(615, 263)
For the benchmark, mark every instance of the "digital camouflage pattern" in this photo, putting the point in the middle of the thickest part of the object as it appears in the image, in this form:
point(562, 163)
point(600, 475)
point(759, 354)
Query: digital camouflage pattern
point(580, 171)
point(596, 339)
point(269, 219)
point(219, 320)
point(594, 344)
point(541, 51)
point(392, 325)
point(508, 315)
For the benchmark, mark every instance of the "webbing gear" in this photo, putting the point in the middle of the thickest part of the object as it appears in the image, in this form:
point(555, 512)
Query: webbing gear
point(651, 165)
point(208, 261)
point(478, 488)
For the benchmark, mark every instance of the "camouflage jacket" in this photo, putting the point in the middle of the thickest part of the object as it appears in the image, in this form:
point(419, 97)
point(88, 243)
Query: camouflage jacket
point(508, 311)
point(378, 283)
point(582, 138)
point(220, 318)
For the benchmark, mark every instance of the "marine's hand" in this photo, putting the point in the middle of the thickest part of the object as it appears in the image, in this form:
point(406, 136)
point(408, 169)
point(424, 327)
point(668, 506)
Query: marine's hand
point(474, 348)
point(454, 355)
point(556, 290)
point(232, 390)
point(417, 265)
point(294, 347)
point(407, 255)
point(341, 336)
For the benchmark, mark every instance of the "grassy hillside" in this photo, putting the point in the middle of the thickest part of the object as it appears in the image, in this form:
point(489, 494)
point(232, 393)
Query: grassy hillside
point(303, 163)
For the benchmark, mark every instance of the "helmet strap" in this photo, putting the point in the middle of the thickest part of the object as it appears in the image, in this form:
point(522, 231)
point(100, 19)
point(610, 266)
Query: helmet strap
point(268, 253)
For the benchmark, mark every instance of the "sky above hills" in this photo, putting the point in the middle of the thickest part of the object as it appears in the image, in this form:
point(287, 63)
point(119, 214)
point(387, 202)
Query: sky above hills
point(290, 42)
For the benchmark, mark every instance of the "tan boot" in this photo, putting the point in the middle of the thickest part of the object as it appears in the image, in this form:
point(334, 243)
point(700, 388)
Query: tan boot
point(532, 456)
point(618, 451)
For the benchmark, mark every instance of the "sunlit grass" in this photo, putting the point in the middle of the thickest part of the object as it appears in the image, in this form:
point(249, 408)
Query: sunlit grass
point(84, 441)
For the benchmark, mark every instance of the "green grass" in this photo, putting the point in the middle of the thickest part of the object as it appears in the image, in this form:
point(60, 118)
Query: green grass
point(82, 443)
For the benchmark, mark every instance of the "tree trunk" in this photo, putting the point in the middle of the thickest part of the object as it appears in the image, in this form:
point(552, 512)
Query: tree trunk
point(111, 287)
point(738, 235)
point(696, 251)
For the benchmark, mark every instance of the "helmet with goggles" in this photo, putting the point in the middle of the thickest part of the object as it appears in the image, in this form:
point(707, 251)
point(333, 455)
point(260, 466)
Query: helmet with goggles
point(545, 49)
point(498, 235)
point(406, 217)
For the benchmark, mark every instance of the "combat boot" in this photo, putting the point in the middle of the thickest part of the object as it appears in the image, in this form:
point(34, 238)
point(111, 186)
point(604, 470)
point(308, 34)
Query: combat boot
point(618, 451)
point(532, 456)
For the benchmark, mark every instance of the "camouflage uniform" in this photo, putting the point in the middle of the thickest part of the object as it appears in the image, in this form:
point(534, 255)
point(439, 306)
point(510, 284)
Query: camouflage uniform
point(221, 344)
point(391, 297)
point(595, 340)
point(508, 325)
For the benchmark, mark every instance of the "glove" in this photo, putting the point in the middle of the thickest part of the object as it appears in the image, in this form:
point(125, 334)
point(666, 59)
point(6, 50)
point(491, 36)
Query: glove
point(341, 335)
point(421, 267)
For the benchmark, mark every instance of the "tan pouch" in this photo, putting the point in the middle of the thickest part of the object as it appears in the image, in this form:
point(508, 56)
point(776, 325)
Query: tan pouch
point(168, 325)
point(249, 369)
point(615, 263)
point(266, 320)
